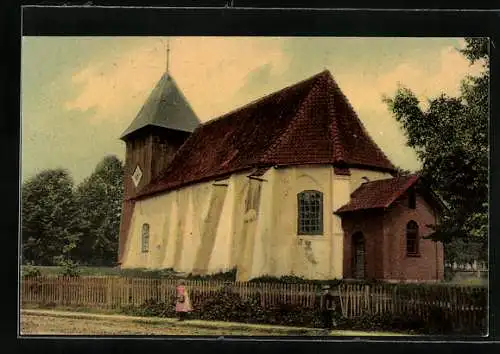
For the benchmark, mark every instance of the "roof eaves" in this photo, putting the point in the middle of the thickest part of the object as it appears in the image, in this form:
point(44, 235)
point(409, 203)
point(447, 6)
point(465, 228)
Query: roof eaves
point(346, 210)
point(144, 193)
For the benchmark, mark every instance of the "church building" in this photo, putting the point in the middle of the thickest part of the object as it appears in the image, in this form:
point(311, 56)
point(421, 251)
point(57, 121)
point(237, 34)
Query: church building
point(290, 184)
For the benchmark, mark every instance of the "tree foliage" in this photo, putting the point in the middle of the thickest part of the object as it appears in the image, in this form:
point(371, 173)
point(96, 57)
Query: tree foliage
point(63, 225)
point(450, 137)
point(49, 218)
point(99, 199)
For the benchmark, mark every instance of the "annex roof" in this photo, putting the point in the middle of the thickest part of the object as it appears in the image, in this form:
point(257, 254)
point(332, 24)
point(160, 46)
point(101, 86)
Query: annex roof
point(378, 194)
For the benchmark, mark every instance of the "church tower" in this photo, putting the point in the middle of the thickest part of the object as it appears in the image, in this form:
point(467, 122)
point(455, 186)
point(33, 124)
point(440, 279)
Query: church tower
point(162, 125)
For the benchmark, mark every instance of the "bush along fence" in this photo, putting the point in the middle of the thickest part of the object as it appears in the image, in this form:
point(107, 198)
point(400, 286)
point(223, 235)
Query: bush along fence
point(420, 308)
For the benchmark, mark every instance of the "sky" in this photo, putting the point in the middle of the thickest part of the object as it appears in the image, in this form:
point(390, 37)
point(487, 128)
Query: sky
point(80, 93)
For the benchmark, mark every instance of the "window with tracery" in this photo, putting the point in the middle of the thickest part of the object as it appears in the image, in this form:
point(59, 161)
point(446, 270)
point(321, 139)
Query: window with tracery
point(310, 213)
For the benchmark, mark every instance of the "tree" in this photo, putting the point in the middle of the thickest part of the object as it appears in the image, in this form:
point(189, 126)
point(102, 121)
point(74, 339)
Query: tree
point(49, 223)
point(99, 199)
point(451, 140)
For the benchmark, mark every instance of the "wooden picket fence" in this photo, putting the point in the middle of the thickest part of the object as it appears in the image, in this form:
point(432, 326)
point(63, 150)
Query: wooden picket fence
point(462, 305)
point(113, 291)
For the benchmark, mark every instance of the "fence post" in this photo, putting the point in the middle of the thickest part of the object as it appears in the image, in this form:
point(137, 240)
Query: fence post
point(109, 297)
point(367, 299)
point(61, 289)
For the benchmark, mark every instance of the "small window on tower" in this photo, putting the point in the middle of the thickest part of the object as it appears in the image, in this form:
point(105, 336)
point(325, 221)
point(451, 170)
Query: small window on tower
point(412, 199)
point(136, 177)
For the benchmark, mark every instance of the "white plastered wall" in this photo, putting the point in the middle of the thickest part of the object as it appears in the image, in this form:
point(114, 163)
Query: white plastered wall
point(207, 228)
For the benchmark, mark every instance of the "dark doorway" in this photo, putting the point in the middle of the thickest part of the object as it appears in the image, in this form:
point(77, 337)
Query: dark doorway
point(358, 256)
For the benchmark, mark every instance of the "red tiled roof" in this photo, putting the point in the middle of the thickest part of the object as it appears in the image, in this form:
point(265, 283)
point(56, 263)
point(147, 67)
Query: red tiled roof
point(310, 122)
point(378, 194)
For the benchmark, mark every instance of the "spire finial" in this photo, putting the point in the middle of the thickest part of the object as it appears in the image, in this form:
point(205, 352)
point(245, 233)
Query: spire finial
point(168, 54)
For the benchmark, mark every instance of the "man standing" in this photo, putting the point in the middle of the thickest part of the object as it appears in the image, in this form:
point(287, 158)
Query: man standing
point(327, 307)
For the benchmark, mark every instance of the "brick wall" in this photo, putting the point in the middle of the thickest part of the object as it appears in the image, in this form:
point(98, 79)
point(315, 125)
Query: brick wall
point(385, 243)
point(370, 224)
point(429, 263)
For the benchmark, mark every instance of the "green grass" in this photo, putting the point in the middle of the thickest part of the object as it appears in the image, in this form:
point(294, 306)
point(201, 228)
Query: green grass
point(84, 270)
point(469, 282)
point(92, 310)
point(102, 271)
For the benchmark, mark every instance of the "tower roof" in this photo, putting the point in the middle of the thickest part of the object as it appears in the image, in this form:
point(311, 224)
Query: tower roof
point(310, 122)
point(165, 107)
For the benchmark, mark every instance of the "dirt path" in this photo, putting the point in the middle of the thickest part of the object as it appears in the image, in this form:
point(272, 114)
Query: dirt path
point(46, 325)
point(47, 322)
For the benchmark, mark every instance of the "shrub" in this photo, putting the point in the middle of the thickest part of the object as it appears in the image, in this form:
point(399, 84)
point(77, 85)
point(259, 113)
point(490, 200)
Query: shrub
point(148, 273)
point(224, 305)
point(69, 268)
point(31, 271)
point(229, 275)
point(152, 308)
point(294, 279)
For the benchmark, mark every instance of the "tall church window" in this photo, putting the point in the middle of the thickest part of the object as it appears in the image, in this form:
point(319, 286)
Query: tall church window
point(310, 213)
point(253, 196)
point(145, 237)
point(412, 238)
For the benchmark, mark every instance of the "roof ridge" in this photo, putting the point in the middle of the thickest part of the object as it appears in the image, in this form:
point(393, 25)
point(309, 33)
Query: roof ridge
point(337, 89)
point(181, 93)
point(334, 126)
point(400, 176)
point(412, 179)
point(264, 98)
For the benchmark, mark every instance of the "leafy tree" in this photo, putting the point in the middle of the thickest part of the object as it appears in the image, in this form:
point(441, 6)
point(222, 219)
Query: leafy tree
point(99, 198)
point(451, 140)
point(49, 218)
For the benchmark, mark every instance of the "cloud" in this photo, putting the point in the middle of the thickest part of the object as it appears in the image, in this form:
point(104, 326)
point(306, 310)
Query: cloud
point(218, 74)
point(112, 88)
point(208, 71)
point(426, 80)
point(440, 74)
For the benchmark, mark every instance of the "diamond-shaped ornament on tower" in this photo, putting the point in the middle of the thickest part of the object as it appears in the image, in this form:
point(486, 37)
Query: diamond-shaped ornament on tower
point(136, 177)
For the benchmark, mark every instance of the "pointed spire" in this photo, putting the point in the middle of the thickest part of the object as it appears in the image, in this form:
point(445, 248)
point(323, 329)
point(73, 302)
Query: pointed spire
point(165, 107)
point(168, 55)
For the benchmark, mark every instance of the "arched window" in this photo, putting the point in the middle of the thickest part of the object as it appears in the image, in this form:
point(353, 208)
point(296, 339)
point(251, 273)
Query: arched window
point(358, 256)
point(145, 237)
point(412, 238)
point(310, 213)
